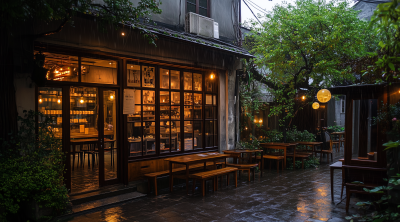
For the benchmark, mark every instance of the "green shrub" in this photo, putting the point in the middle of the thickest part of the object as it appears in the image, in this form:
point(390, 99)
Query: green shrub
point(332, 129)
point(31, 168)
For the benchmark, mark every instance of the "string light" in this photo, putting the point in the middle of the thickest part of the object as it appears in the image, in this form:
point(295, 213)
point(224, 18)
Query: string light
point(212, 76)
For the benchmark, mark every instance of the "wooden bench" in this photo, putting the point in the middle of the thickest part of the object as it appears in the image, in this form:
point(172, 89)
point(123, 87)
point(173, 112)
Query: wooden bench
point(152, 177)
point(302, 156)
point(273, 157)
point(213, 174)
point(244, 167)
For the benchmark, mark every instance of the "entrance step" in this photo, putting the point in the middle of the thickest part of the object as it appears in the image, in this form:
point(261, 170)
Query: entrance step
point(101, 193)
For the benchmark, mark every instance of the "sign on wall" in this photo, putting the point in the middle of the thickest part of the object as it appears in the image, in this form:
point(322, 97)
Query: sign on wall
point(129, 101)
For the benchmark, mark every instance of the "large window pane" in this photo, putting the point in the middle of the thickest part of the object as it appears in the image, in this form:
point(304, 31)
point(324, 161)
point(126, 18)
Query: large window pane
point(198, 135)
point(197, 82)
point(83, 114)
point(148, 76)
point(133, 78)
point(197, 112)
point(209, 133)
point(188, 112)
point(99, 71)
point(164, 112)
point(188, 99)
point(175, 79)
point(164, 97)
point(134, 138)
point(191, 7)
point(209, 112)
point(165, 136)
point(50, 105)
point(164, 78)
point(175, 112)
point(149, 113)
point(188, 81)
point(149, 97)
point(61, 67)
point(203, 12)
point(175, 98)
point(188, 127)
point(149, 143)
point(175, 136)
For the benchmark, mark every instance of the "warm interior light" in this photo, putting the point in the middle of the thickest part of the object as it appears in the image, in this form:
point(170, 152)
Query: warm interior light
point(246, 128)
point(260, 121)
point(81, 101)
point(255, 120)
point(212, 76)
point(122, 33)
point(59, 101)
point(303, 97)
point(110, 63)
point(112, 97)
point(40, 100)
point(315, 105)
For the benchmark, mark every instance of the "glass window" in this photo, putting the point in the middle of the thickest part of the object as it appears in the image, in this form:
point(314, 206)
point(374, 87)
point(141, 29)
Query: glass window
point(175, 136)
point(149, 113)
point(209, 133)
point(191, 6)
point(149, 97)
point(197, 111)
point(187, 85)
point(50, 105)
point(188, 99)
point(164, 79)
point(188, 112)
point(188, 130)
point(198, 135)
point(175, 112)
point(149, 143)
point(134, 138)
point(209, 112)
point(175, 79)
point(164, 112)
point(208, 99)
point(197, 82)
point(61, 67)
point(133, 78)
point(148, 76)
point(164, 97)
point(165, 131)
point(175, 98)
point(99, 71)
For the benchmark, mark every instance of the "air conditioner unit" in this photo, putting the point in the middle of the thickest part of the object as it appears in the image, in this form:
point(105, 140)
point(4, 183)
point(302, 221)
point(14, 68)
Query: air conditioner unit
point(201, 25)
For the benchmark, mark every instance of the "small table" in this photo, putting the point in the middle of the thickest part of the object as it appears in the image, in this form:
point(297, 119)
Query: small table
point(240, 152)
point(284, 147)
point(192, 159)
point(337, 165)
point(340, 134)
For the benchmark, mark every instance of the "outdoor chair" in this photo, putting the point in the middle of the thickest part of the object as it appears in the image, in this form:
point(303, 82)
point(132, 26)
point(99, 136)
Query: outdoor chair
point(327, 152)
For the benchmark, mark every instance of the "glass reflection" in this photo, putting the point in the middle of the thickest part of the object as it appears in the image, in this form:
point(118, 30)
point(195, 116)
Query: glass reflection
point(149, 143)
point(164, 78)
point(187, 81)
point(175, 79)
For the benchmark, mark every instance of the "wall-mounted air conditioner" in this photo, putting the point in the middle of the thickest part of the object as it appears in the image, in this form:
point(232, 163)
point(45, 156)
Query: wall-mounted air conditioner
point(201, 25)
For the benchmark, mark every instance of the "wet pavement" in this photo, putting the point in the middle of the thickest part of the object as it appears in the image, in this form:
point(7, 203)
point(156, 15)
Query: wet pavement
point(299, 195)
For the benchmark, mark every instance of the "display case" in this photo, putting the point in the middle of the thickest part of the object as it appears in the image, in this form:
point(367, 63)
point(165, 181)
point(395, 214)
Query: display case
point(50, 105)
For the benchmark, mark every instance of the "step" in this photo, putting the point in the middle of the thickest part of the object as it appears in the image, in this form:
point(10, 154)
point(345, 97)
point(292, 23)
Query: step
point(96, 205)
point(102, 193)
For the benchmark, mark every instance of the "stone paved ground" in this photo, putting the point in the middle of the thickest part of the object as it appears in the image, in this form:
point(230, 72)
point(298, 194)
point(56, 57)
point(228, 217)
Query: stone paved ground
point(300, 195)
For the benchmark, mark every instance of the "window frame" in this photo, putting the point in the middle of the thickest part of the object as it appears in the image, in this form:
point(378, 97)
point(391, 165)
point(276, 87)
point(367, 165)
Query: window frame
point(198, 7)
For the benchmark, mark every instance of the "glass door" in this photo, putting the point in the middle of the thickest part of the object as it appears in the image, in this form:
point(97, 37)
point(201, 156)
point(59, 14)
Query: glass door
point(93, 138)
point(108, 138)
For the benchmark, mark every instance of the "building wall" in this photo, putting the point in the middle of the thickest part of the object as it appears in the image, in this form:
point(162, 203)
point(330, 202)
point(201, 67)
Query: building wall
point(174, 11)
point(366, 9)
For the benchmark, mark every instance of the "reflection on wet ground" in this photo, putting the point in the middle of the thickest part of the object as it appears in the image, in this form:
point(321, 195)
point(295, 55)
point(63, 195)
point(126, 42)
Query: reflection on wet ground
point(85, 173)
point(300, 195)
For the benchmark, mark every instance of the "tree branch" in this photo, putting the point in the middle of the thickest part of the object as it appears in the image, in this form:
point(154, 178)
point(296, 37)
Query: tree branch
point(60, 27)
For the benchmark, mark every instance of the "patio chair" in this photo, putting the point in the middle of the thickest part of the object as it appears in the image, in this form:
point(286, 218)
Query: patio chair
point(327, 152)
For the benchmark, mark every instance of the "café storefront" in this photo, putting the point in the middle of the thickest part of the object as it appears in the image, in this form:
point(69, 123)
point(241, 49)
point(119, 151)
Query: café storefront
point(175, 112)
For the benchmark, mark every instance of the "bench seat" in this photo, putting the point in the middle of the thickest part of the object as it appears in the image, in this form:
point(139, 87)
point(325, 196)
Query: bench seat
point(244, 167)
point(153, 176)
point(213, 174)
point(273, 157)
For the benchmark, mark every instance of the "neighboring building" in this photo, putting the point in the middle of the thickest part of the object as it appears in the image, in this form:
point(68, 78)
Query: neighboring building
point(182, 92)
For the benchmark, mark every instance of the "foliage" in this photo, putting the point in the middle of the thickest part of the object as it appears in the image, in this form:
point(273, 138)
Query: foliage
point(302, 46)
point(250, 96)
point(332, 129)
point(31, 168)
point(386, 21)
point(296, 135)
point(106, 11)
point(311, 162)
point(388, 118)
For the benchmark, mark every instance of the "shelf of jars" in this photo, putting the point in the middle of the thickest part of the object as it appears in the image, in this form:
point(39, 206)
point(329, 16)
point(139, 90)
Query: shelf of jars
point(50, 105)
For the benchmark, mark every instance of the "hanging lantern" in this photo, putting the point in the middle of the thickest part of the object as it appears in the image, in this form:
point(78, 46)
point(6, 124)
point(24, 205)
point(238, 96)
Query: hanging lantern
point(324, 95)
point(315, 105)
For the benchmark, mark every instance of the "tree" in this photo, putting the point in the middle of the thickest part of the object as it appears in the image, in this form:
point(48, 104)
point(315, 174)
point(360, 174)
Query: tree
point(13, 13)
point(302, 47)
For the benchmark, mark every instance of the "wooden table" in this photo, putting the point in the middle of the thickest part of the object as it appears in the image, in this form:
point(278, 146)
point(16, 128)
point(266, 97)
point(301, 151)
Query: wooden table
point(240, 152)
point(284, 147)
point(337, 165)
point(192, 159)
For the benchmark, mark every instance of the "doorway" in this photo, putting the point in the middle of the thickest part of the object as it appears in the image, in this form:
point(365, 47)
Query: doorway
point(93, 138)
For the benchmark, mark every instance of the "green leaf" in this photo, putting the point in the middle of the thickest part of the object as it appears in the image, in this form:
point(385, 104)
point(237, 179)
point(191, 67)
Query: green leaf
point(391, 66)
